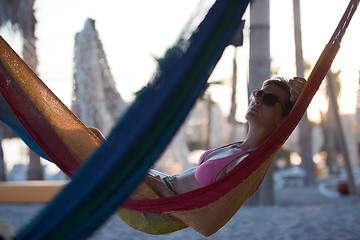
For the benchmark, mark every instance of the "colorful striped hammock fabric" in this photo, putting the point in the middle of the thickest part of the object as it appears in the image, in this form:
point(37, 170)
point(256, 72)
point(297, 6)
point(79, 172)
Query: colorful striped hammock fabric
point(158, 112)
point(105, 181)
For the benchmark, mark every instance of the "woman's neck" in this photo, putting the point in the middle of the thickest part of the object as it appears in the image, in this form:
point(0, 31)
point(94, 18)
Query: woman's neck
point(255, 137)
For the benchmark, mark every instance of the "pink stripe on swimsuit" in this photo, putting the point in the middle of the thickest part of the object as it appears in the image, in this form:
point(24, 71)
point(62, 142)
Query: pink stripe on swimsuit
point(207, 171)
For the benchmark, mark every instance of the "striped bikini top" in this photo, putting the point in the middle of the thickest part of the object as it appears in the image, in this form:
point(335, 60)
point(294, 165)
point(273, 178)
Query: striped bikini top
point(207, 171)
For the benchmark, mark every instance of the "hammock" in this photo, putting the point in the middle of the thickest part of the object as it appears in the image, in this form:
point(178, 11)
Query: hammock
point(115, 169)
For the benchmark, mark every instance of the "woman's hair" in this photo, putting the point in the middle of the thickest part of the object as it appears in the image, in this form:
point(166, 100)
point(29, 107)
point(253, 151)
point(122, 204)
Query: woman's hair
point(282, 83)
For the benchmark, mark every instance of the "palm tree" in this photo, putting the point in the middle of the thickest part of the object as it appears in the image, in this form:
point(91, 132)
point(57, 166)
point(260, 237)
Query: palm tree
point(331, 141)
point(259, 70)
point(304, 124)
point(20, 15)
point(2, 163)
point(339, 131)
point(236, 41)
point(233, 108)
point(5, 133)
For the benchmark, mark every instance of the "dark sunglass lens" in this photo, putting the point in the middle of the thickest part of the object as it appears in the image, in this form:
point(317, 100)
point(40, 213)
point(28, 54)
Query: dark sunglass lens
point(259, 93)
point(270, 99)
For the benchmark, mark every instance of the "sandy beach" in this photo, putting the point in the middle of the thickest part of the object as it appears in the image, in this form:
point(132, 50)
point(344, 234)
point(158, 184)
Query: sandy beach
point(300, 213)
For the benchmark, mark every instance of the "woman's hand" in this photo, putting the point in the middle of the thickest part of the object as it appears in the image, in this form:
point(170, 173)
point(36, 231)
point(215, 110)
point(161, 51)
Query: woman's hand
point(296, 86)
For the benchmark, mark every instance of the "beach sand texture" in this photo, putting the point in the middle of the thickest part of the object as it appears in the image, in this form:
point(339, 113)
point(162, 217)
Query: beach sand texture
point(300, 213)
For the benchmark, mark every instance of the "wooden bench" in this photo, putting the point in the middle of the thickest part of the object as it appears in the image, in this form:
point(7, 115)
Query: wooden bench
point(29, 191)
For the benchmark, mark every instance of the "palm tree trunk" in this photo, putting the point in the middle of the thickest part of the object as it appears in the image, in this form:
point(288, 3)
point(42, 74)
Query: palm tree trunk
point(2, 162)
point(233, 108)
point(304, 124)
point(209, 118)
point(340, 133)
point(21, 16)
point(329, 141)
point(259, 70)
point(232, 114)
point(259, 61)
point(35, 170)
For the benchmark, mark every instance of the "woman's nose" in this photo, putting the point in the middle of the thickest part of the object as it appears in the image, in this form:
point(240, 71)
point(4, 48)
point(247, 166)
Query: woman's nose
point(258, 100)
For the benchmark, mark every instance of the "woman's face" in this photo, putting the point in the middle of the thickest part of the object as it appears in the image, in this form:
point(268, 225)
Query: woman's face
point(260, 114)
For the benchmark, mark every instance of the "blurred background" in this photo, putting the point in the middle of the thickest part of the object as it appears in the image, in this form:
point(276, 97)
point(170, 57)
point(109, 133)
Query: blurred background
point(108, 51)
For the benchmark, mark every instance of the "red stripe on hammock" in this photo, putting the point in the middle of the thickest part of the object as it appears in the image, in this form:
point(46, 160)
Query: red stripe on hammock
point(36, 125)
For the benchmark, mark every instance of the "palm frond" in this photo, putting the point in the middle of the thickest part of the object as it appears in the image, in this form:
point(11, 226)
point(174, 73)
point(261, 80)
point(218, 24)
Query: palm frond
point(19, 14)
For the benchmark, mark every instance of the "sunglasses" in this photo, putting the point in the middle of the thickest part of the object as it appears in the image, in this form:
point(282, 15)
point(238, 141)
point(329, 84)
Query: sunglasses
point(269, 99)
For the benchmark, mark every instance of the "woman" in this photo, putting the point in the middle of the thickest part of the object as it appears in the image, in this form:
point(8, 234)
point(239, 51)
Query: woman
point(268, 108)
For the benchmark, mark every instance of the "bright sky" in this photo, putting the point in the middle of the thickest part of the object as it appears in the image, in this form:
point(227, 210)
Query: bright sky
point(133, 32)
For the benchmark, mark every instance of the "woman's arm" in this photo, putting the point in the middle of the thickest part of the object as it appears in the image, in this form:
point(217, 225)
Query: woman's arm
point(157, 184)
point(180, 183)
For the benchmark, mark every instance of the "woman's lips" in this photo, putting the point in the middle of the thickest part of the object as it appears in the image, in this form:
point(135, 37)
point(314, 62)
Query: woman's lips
point(254, 109)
